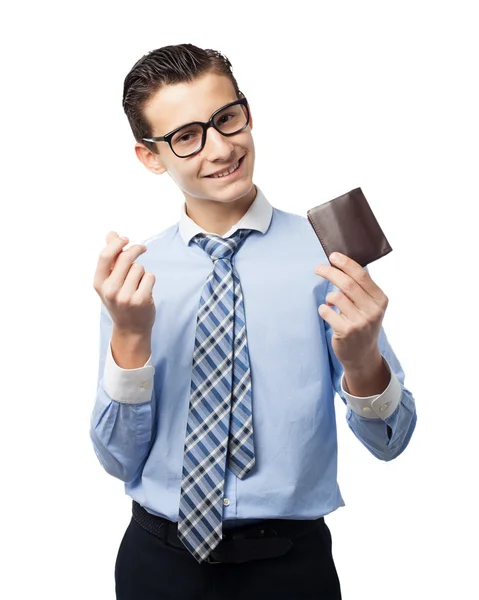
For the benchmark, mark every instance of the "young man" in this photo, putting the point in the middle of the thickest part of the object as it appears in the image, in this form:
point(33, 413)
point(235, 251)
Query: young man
point(220, 356)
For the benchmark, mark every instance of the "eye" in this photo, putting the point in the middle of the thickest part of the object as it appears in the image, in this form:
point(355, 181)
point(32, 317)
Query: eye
point(225, 118)
point(186, 138)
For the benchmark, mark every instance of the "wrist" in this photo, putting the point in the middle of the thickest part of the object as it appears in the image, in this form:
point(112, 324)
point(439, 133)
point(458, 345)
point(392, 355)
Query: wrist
point(370, 362)
point(368, 378)
point(130, 350)
point(128, 334)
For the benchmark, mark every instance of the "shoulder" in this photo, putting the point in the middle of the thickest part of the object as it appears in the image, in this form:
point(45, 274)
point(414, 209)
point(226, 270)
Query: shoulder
point(294, 223)
point(161, 238)
point(294, 235)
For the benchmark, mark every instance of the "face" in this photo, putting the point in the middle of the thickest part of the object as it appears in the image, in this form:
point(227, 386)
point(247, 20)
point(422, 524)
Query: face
point(182, 103)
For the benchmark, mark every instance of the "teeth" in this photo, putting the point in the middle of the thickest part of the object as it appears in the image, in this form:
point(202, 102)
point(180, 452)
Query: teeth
point(233, 168)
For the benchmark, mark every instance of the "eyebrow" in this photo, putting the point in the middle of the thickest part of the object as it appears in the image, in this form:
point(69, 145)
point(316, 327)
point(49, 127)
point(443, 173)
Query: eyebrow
point(197, 120)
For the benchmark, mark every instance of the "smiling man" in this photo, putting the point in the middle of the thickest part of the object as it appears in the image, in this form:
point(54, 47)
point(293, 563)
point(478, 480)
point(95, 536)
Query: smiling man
point(224, 339)
point(216, 182)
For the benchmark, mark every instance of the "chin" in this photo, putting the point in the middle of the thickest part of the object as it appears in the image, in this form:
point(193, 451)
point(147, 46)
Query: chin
point(233, 193)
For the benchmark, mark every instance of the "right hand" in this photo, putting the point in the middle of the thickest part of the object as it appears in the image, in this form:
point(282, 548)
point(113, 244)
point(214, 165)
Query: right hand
point(124, 287)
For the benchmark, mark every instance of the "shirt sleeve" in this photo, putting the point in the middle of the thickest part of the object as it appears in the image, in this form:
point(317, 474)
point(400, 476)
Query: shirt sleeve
point(123, 416)
point(383, 423)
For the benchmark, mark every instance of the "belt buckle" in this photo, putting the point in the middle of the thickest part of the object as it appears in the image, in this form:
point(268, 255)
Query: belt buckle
point(209, 560)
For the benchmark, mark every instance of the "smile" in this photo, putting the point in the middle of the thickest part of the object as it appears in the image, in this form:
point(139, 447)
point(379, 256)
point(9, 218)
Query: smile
point(229, 171)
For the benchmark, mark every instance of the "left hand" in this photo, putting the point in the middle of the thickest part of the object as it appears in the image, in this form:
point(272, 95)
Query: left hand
point(362, 306)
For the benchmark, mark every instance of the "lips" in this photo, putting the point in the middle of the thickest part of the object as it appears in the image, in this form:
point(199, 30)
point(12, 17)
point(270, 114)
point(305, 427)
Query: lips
point(228, 168)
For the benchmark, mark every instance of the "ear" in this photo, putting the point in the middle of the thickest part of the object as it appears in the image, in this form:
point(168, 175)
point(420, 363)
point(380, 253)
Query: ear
point(150, 159)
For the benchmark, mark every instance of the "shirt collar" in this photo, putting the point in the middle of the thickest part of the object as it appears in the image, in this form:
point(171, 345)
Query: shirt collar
point(257, 217)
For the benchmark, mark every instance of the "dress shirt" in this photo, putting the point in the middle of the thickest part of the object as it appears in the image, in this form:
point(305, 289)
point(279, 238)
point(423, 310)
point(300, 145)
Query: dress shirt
point(139, 417)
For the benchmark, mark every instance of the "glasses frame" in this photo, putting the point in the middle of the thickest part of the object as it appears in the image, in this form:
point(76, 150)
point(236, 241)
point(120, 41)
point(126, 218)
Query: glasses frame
point(167, 137)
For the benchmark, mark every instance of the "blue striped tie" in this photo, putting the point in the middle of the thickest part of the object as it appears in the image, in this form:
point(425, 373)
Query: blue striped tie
point(220, 422)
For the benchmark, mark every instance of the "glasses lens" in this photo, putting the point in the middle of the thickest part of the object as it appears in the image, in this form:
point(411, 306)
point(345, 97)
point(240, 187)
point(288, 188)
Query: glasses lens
point(232, 119)
point(187, 140)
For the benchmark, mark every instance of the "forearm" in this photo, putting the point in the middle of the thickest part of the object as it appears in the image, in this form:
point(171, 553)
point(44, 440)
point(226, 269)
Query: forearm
point(122, 423)
point(382, 411)
point(121, 434)
point(386, 439)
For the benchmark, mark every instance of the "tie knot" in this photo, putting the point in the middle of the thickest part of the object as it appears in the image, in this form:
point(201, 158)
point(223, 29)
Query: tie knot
point(218, 247)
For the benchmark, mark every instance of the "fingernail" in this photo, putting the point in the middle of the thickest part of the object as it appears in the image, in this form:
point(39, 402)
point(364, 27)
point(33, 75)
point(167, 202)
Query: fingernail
point(335, 257)
point(123, 238)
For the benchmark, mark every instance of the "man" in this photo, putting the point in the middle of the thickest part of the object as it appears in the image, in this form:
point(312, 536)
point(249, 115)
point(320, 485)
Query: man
point(220, 356)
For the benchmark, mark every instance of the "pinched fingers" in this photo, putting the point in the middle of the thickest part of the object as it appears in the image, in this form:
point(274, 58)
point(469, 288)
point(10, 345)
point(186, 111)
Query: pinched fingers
point(124, 287)
point(107, 259)
point(114, 264)
point(138, 285)
point(124, 262)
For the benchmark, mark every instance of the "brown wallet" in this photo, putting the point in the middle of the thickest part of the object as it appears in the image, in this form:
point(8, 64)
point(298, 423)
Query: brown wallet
point(347, 224)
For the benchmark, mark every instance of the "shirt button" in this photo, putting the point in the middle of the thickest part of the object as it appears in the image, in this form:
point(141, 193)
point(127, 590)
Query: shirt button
point(367, 409)
point(144, 384)
point(383, 407)
point(226, 502)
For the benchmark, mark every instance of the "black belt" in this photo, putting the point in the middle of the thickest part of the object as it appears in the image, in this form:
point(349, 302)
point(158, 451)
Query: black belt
point(266, 539)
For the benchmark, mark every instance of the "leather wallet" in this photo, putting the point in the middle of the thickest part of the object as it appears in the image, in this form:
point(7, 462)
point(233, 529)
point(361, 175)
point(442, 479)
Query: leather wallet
point(347, 224)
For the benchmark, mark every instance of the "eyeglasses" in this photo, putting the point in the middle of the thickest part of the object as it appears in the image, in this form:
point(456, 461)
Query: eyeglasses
point(190, 139)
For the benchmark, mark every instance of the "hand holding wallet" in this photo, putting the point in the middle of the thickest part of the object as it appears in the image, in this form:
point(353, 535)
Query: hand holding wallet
point(347, 224)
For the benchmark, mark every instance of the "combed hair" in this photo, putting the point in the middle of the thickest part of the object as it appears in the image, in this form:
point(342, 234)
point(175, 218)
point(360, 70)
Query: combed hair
point(167, 65)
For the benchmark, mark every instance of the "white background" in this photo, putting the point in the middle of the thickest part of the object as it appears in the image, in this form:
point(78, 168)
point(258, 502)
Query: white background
point(380, 95)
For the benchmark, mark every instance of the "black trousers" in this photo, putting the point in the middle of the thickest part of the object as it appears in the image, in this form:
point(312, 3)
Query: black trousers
point(148, 569)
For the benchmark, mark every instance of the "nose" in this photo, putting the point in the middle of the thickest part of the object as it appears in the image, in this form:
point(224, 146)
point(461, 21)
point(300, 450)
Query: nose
point(217, 146)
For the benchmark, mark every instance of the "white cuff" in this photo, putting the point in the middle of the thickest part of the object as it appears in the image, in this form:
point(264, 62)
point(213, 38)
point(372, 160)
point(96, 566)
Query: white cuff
point(129, 386)
point(380, 405)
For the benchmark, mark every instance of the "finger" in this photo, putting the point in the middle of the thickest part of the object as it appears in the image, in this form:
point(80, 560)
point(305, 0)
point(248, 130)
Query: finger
point(145, 288)
point(107, 258)
point(111, 235)
point(348, 309)
point(132, 280)
point(337, 322)
point(122, 266)
point(359, 274)
point(347, 285)
point(138, 284)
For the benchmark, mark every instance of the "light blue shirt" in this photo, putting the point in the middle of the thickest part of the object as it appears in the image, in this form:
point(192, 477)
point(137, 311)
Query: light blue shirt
point(139, 416)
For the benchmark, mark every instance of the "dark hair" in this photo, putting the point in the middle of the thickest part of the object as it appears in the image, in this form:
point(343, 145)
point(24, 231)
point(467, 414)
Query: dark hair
point(167, 65)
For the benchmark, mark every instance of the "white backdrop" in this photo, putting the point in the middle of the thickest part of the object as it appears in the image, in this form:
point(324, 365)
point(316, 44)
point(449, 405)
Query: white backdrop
point(380, 95)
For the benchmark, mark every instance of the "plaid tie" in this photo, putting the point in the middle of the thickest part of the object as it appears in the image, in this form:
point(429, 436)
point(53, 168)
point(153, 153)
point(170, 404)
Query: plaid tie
point(220, 424)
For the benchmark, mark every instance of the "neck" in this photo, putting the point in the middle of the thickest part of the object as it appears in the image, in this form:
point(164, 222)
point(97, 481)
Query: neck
point(218, 217)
